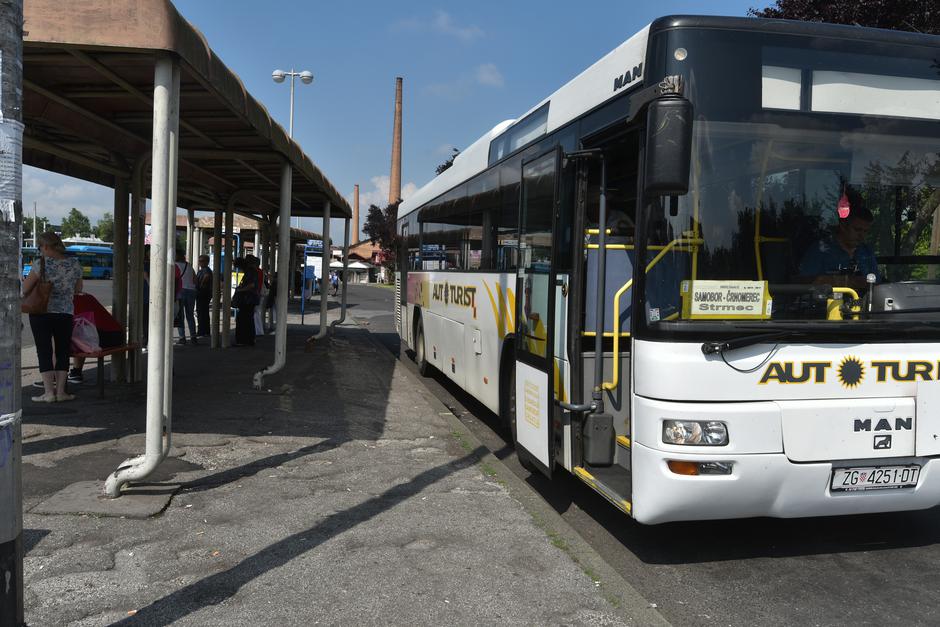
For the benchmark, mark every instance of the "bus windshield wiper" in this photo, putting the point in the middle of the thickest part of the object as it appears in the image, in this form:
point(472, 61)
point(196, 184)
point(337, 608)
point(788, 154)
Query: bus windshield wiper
point(710, 348)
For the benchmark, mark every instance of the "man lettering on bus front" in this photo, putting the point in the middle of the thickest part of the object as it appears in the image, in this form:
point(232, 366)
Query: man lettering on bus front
point(843, 259)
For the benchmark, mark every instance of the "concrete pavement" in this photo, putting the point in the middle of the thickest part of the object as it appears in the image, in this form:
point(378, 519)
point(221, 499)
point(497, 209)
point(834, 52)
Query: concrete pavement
point(340, 495)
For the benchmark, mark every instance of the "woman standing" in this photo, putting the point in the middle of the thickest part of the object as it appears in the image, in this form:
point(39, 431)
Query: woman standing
point(55, 326)
point(246, 299)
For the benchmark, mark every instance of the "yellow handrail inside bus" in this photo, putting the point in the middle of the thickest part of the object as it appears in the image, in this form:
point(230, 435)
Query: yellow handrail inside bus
point(693, 244)
point(834, 307)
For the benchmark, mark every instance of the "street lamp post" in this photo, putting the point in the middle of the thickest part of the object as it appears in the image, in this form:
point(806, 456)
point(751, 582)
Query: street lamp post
point(306, 77)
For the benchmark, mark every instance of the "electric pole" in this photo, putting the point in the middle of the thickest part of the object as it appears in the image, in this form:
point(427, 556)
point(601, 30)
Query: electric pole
point(11, 234)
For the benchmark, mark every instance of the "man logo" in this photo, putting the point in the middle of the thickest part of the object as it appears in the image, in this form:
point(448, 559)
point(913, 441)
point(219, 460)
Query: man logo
point(882, 442)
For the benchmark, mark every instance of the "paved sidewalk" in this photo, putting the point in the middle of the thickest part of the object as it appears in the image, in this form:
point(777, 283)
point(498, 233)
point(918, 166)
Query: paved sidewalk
point(340, 496)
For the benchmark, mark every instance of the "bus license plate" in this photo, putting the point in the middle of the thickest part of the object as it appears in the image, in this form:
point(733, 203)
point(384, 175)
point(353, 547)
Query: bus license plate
point(874, 478)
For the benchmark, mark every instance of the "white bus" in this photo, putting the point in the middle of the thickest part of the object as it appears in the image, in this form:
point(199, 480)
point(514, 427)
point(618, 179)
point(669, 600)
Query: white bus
point(703, 275)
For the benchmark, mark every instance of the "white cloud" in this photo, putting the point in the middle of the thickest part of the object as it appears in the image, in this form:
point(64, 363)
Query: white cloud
point(441, 23)
point(486, 75)
point(378, 194)
point(55, 195)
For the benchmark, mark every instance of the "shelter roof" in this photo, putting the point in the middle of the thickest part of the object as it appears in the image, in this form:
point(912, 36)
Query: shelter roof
point(88, 70)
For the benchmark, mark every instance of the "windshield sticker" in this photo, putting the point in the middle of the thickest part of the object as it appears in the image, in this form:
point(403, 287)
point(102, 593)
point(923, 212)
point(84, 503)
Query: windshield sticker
point(724, 300)
point(850, 372)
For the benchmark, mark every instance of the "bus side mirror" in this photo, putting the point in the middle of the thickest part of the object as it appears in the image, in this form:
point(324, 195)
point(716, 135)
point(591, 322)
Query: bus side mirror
point(668, 147)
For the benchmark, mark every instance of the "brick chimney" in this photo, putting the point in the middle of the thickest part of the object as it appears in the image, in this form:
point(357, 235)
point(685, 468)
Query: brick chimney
point(394, 183)
point(355, 219)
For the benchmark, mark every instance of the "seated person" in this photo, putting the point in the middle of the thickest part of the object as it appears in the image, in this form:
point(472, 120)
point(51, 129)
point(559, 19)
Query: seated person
point(843, 259)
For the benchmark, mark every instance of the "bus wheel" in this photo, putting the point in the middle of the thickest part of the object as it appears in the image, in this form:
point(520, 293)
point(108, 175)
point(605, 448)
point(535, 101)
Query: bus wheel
point(420, 355)
point(510, 418)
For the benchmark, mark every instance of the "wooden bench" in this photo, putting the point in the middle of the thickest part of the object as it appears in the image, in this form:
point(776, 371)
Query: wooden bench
point(100, 355)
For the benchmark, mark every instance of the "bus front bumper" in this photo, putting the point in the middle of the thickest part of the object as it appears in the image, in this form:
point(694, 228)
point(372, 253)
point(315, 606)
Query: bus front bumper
point(762, 485)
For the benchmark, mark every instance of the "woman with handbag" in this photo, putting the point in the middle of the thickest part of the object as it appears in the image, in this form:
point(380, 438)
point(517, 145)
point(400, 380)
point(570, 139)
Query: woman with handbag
point(245, 299)
point(47, 298)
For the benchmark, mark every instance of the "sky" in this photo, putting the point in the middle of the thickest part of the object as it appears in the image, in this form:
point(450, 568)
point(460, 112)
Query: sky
point(466, 67)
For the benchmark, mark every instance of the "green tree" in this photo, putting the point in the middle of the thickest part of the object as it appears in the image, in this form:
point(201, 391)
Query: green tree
point(41, 222)
point(450, 161)
point(380, 227)
point(75, 224)
point(105, 228)
point(922, 16)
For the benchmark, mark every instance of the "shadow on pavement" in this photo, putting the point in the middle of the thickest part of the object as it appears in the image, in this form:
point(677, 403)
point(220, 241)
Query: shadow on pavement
point(217, 588)
point(214, 403)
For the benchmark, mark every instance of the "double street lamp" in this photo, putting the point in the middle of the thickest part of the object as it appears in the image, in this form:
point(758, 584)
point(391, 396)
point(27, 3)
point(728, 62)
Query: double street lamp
point(306, 78)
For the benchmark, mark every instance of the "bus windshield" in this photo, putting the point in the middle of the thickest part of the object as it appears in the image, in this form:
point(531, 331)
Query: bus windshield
point(801, 217)
point(765, 206)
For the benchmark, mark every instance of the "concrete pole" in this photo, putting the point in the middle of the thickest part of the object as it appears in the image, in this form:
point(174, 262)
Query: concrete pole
point(11, 217)
point(280, 332)
point(227, 277)
point(325, 273)
point(257, 249)
point(190, 237)
point(173, 171)
point(266, 265)
point(119, 286)
point(394, 183)
point(165, 99)
point(355, 233)
point(344, 275)
point(138, 294)
point(214, 341)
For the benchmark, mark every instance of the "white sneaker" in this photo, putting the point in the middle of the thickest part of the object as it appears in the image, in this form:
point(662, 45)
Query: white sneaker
point(45, 398)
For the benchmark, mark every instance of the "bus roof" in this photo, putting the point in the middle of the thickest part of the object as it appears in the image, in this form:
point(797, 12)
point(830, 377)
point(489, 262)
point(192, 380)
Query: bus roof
point(592, 87)
point(88, 249)
point(584, 92)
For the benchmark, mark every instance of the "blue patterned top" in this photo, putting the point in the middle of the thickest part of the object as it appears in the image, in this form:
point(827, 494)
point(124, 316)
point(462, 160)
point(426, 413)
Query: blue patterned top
point(63, 274)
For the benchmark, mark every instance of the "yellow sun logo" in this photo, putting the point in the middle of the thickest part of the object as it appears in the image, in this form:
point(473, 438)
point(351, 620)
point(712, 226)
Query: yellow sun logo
point(851, 372)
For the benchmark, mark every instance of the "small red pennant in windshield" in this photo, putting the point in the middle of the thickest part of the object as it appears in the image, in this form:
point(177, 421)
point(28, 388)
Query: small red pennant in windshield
point(844, 207)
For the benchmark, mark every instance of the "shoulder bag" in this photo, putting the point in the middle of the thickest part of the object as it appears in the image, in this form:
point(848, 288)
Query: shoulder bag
point(36, 301)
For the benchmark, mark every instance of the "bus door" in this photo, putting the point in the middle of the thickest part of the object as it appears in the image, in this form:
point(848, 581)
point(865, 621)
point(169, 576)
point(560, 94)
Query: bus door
point(535, 315)
point(401, 289)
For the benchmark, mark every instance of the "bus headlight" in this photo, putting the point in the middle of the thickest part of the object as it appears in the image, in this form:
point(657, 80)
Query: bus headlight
point(695, 432)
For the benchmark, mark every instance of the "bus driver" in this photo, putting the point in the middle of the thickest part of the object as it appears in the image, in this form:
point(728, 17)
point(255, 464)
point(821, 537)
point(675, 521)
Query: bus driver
point(843, 259)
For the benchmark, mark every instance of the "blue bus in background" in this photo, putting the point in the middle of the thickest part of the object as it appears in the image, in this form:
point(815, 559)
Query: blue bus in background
point(97, 261)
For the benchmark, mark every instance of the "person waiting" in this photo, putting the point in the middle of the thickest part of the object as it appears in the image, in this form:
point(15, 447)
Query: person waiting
point(52, 330)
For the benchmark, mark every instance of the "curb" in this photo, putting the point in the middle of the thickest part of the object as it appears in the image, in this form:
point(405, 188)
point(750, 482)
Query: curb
point(622, 596)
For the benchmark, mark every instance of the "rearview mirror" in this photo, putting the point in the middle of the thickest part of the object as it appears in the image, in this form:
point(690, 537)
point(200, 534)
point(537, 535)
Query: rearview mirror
point(668, 147)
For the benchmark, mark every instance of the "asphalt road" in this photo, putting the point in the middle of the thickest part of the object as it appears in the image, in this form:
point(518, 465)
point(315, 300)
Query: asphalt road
point(877, 569)
point(99, 288)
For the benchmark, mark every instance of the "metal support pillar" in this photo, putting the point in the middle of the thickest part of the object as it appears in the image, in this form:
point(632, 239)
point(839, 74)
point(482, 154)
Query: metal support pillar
point(325, 272)
point(137, 293)
point(190, 237)
point(344, 278)
point(165, 102)
point(171, 247)
point(216, 279)
point(11, 218)
point(265, 256)
point(119, 286)
point(280, 332)
point(227, 277)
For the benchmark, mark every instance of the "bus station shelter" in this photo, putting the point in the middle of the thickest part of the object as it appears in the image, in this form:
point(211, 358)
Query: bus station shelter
point(128, 94)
